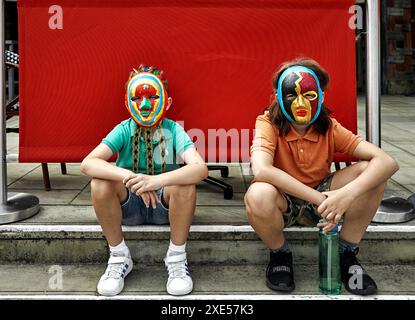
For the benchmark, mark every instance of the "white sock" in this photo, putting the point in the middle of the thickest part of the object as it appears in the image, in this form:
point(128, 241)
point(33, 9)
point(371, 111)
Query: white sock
point(175, 249)
point(120, 249)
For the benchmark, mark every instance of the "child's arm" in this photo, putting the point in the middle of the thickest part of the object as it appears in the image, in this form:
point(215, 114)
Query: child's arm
point(194, 171)
point(380, 168)
point(96, 165)
point(264, 171)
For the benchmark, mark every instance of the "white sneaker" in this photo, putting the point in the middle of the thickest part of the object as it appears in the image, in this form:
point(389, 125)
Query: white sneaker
point(179, 282)
point(112, 281)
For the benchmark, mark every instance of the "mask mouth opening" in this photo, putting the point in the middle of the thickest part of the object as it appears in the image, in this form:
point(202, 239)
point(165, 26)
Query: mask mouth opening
point(145, 111)
point(301, 112)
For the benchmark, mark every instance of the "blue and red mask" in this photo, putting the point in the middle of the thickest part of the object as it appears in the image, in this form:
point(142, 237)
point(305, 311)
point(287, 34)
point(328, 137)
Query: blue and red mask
point(299, 95)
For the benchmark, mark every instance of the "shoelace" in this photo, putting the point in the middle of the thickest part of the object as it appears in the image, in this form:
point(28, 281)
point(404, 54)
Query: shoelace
point(176, 265)
point(115, 270)
point(177, 269)
point(116, 265)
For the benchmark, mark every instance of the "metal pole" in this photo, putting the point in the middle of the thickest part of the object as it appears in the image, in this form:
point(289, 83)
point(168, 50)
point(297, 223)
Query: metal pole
point(13, 206)
point(384, 48)
point(395, 209)
point(373, 72)
point(10, 77)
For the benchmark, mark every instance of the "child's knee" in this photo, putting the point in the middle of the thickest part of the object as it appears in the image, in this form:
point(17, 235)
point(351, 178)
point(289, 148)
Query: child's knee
point(187, 192)
point(380, 189)
point(101, 189)
point(260, 198)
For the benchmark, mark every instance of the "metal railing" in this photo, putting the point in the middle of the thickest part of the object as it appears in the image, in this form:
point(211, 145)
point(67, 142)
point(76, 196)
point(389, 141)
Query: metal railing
point(13, 206)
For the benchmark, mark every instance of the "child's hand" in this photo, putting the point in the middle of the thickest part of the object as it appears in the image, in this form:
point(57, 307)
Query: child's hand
point(150, 198)
point(140, 183)
point(327, 226)
point(336, 204)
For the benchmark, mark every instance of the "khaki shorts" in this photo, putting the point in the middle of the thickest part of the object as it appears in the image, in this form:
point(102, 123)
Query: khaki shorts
point(302, 212)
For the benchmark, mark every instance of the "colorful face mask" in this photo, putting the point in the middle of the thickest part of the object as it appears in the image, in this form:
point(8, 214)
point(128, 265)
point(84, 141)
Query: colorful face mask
point(299, 95)
point(146, 99)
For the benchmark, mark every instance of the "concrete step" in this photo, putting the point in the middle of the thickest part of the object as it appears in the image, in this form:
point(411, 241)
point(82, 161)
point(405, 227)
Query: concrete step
point(208, 244)
point(70, 234)
point(78, 281)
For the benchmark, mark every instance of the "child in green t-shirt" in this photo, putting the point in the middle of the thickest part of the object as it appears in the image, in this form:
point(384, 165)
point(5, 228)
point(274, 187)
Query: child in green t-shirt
point(146, 186)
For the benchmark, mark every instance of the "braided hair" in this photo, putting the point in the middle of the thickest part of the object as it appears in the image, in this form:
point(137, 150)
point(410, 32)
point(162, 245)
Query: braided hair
point(149, 134)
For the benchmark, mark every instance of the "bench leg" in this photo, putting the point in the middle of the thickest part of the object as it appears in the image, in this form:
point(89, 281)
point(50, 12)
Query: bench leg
point(227, 189)
point(224, 170)
point(46, 179)
point(337, 166)
point(63, 168)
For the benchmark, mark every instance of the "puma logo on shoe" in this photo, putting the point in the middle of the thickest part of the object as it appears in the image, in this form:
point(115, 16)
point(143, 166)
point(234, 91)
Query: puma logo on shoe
point(281, 268)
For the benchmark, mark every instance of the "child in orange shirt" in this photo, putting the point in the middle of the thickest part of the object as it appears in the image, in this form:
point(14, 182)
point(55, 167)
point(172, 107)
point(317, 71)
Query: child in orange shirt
point(291, 158)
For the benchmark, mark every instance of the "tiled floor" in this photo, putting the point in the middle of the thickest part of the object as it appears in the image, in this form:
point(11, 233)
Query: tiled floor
point(398, 137)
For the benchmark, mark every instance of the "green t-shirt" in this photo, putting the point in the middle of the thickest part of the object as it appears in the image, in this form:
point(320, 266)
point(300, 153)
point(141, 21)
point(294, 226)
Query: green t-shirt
point(119, 140)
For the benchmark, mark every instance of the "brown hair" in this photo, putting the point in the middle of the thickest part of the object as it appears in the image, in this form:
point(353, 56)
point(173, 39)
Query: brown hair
point(147, 133)
point(322, 122)
point(151, 69)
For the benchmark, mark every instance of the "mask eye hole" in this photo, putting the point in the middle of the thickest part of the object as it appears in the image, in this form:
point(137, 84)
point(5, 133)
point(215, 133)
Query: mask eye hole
point(290, 96)
point(154, 97)
point(310, 95)
point(136, 98)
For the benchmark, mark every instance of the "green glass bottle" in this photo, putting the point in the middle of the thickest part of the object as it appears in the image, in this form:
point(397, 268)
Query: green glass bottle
point(329, 267)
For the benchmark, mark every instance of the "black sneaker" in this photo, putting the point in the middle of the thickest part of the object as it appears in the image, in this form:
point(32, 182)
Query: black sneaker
point(279, 274)
point(351, 267)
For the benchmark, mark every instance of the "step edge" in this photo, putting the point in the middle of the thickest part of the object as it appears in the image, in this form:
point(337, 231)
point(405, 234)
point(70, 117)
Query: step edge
point(197, 228)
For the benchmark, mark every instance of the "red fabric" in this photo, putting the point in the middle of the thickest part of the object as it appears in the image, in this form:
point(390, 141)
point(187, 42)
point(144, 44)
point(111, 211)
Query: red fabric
point(219, 58)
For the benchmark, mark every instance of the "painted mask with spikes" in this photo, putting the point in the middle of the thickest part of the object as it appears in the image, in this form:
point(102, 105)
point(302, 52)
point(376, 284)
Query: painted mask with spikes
point(146, 98)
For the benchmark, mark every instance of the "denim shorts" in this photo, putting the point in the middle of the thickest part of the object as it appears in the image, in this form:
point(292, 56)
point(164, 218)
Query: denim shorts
point(135, 212)
point(302, 212)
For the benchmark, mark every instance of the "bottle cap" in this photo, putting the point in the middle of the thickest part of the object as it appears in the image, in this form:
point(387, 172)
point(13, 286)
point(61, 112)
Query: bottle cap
point(334, 230)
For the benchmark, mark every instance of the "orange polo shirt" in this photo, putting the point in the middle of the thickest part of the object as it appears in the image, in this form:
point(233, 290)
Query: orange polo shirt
point(307, 158)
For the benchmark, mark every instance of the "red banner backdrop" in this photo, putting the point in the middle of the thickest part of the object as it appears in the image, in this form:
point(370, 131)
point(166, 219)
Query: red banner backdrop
point(219, 58)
